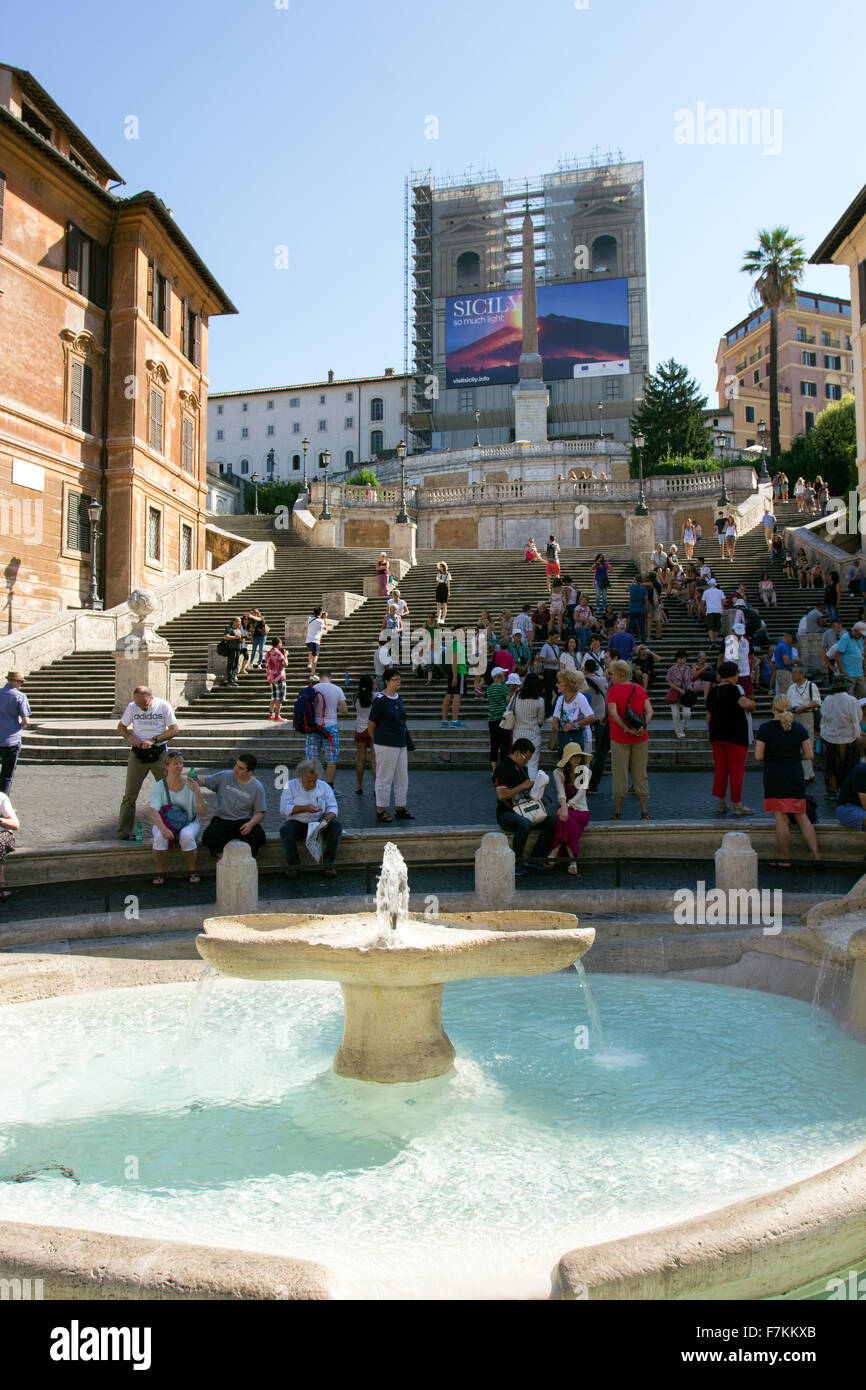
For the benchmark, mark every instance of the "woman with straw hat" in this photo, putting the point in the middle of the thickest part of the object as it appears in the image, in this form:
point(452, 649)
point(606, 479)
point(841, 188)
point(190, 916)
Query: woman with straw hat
point(572, 814)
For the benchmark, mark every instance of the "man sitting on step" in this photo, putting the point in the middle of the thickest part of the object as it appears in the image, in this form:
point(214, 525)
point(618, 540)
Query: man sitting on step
point(309, 800)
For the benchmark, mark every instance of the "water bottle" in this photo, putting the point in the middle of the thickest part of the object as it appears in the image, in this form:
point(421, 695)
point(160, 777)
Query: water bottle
point(139, 833)
point(191, 773)
point(347, 678)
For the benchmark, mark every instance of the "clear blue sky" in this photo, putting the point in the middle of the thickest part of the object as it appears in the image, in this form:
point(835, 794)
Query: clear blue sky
point(263, 126)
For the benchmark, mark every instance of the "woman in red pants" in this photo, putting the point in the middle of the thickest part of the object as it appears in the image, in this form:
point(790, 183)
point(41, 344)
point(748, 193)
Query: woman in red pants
point(727, 718)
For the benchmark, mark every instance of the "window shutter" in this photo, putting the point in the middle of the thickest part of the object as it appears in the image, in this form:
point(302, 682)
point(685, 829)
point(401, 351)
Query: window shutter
point(184, 328)
point(2, 200)
point(99, 274)
point(155, 420)
point(151, 272)
point(77, 523)
point(196, 341)
point(73, 255)
point(166, 307)
point(76, 393)
point(188, 445)
point(861, 281)
point(87, 399)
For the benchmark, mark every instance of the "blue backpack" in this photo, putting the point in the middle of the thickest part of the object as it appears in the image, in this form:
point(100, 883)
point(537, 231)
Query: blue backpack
point(305, 716)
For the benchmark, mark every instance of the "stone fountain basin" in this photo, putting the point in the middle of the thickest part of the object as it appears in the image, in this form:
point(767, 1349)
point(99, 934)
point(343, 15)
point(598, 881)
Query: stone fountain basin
point(271, 946)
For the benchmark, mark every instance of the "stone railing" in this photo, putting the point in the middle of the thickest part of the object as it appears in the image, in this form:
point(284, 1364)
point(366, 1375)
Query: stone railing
point(818, 548)
point(447, 461)
point(88, 630)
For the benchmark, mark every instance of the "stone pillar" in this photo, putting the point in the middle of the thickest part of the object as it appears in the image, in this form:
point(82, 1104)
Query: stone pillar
point(296, 631)
point(237, 881)
point(494, 871)
point(215, 662)
point(402, 544)
point(142, 658)
point(530, 413)
point(640, 537)
point(736, 862)
point(339, 603)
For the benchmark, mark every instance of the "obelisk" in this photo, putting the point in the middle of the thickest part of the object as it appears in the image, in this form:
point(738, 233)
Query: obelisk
point(530, 393)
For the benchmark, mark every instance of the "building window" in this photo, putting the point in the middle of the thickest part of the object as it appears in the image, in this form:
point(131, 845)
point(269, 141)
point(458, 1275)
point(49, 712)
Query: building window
point(612, 388)
point(188, 445)
point(245, 466)
point(294, 402)
point(750, 414)
point(185, 547)
point(220, 434)
point(158, 299)
point(756, 376)
point(377, 442)
point(78, 522)
point(604, 255)
point(323, 425)
point(467, 400)
point(833, 393)
point(808, 388)
point(270, 405)
point(321, 400)
point(377, 408)
point(296, 427)
point(802, 335)
point(157, 416)
point(245, 434)
point(750, 443)
point(350, 396)
point(192, 337)
point(832, 364)
point(245, 407)
point(348, 458)
point(271, 430)
point(809, 418)
point(154, 536)
point(219, 410)
point(810, 359)
point(35, 121)
point(350, 422)
point(86, 265)
point(296, 463)
point(80, 396)
point(469, 271)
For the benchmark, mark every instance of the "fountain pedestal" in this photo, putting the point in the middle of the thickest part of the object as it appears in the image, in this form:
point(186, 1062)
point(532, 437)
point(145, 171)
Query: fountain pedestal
point(393, 1034)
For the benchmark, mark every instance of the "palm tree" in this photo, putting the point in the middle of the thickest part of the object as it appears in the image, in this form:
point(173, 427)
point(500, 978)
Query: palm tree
point(777, 263)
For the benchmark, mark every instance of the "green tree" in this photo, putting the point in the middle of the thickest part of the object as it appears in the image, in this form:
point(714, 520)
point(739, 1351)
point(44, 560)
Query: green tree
point(834, 440)
point(364, 477)
point(777, 264)
point(271, 496)
point(670, 417)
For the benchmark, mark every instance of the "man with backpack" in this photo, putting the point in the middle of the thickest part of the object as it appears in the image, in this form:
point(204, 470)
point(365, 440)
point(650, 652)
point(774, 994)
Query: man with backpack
point(551, 557)
point(309, 720)
point(333, 703)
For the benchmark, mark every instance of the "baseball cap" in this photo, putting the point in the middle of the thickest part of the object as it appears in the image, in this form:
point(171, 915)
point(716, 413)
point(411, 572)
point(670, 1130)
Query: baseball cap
point(712, 583)
point(498, 671)
point(859, 627)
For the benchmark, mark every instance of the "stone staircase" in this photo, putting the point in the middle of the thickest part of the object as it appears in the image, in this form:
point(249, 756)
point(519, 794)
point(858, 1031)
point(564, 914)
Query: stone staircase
point(80, 688)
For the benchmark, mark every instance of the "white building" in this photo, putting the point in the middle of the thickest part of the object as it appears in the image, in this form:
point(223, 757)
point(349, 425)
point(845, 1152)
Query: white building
point(359, 419)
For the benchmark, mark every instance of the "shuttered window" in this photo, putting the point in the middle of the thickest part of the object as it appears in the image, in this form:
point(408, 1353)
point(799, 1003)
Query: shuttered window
point(186, 547)
point(191, 335)
point(81, 396)
point(86, 266)
point(77, 522)
point(73, 256)
point(156, 420)
point(154, 547)
point(188, 445)
point(158, 299)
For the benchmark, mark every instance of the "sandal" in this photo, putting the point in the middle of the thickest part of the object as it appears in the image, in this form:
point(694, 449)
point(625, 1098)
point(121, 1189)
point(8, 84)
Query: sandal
point(383, 816)
point(722, 808)
point(617, 815)
point(194, 878)
point(5, 893)
point(573, 869)
point(645, 816)
point(158, 882)
point(402, 814)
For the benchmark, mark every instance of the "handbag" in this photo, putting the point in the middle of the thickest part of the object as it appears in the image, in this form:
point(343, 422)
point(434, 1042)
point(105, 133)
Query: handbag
point(223, 648)
point(690, 698)
point(175, 817)
point(531, 809)
point(631, 716)
point(673, 697)
point(508, 719)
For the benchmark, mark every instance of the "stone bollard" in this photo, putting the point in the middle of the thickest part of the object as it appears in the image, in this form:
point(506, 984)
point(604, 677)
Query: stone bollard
point(494, 871)
point(237, 880)
point(736, 862)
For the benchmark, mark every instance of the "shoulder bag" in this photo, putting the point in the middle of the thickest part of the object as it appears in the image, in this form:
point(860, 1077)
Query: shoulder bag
point(508, 720)
point(531, 808)
point(636, 721)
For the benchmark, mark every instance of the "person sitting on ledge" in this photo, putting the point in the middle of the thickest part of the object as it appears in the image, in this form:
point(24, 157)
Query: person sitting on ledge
point(308, 799)
point(240, 807)
point(531, 552)
point(177, 809)
point(511, 782)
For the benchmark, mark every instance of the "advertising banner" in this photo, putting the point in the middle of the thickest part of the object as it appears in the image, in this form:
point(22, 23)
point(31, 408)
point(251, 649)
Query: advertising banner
point(582, 331)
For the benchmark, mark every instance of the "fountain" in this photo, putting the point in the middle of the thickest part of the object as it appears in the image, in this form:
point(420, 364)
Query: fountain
point(392, 968)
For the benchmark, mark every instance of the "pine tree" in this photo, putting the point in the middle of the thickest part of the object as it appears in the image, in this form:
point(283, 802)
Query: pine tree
point(670, 416)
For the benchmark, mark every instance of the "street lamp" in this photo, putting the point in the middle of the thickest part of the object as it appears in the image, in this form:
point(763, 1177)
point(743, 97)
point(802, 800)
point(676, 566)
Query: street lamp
point(762, 435)
point(305, 444)
point(639, 441)
point(601, 420)
point(724, 500)
point(326, 459)
point(94, 512)
point(477, 435)
point(254, 479)
point(403, 515)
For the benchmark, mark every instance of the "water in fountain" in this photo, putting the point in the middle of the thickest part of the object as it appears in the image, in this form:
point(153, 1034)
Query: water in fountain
point(591, 1006)
point(824, 966)
point(392, 899)
point(197, 1004)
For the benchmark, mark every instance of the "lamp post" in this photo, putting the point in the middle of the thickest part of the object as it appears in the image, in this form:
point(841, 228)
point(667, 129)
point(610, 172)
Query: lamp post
point(403, 515)
point(254, 479)
point(724, 500)
point(762, 435)
point(641, 509)
point(477, 435)
point(326, 459)
point(601, 419)
point(94, 512)
point(305, 444)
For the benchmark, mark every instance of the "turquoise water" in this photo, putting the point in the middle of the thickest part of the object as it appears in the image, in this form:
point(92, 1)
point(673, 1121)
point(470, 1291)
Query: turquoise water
point(469, 1185)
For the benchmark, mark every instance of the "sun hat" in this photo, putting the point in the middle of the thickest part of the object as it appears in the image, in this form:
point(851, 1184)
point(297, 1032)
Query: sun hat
point(14, 675)
point(514, 679)
point(572, 750)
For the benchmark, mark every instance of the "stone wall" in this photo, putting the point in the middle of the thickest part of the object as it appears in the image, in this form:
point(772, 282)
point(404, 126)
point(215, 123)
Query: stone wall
point(457, 533)
point(367, 532)
point(221, 547)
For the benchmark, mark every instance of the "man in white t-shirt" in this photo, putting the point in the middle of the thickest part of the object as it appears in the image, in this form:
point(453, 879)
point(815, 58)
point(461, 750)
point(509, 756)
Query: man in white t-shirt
point(327, 750)
point(714, 601)
point(317, 626)
point(523, 624)
point(146, 725)
point(382, 662)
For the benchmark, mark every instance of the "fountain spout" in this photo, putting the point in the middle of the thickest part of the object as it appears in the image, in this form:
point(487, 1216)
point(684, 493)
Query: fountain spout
point(392, 897)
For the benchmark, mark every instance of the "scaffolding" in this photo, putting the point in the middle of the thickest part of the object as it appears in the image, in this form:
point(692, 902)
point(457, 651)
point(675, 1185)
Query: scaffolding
point(418, 225)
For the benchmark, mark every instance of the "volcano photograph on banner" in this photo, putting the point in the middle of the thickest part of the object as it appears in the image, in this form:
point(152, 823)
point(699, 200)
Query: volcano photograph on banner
point(582, 331)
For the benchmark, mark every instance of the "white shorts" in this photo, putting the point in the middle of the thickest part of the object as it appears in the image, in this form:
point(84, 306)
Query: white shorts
point(188, 837)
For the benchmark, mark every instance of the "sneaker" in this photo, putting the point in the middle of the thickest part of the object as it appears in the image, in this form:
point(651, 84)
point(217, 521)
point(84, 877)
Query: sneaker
point(272, 717)
point(444, 723)
point(457, 724)
point(278, 719)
